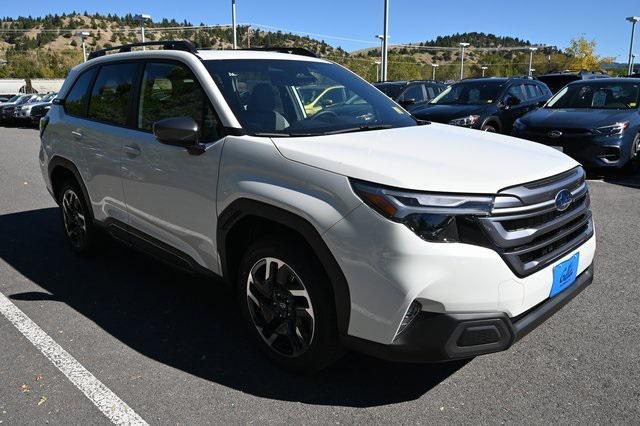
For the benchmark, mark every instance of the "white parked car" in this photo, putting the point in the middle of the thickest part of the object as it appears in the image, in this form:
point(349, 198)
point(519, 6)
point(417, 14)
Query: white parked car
point(354, 228)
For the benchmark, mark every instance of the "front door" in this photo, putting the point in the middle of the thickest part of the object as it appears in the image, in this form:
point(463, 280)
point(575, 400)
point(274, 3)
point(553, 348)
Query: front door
point(171, 194)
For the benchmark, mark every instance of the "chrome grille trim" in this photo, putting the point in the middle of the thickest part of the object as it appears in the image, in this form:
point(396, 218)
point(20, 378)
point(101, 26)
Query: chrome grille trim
point(535, 234)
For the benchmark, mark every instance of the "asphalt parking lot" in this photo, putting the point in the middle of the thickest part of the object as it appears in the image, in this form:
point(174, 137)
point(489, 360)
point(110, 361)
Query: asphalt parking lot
point(171, 346)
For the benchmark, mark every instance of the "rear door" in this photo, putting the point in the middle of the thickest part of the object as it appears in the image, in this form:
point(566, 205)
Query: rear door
point(171, 194)
point(102, 134)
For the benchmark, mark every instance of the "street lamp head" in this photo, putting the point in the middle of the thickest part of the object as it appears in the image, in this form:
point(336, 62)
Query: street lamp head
point(435, 65)
point(83, 34)
point(379, 36)
point(484, 68)
point(142, 17)
point(633, 18)
point(533, 49)
point(463, 44)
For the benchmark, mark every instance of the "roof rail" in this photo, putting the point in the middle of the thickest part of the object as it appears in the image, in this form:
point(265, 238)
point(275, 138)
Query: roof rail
point(184, 45)
point(302, 51)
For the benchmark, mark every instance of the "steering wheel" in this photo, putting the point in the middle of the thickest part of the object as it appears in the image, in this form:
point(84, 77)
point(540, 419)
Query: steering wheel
point(324, 113)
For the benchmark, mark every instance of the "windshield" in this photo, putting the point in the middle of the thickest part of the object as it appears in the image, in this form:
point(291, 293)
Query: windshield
point(470, 93)
point(392, 90)
point(301, 98)
point(598, 95)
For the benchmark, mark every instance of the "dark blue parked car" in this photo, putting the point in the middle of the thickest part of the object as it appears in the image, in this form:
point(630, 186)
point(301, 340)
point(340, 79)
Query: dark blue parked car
point(597, 122)
point(488, 104)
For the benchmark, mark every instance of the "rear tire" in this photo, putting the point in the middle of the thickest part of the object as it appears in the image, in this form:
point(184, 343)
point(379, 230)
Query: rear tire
point(78, 226)
point(286, 300)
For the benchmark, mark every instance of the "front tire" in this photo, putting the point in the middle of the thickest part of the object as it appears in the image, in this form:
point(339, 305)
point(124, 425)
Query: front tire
point(76, 220)
point(286, 300)
point(633, 165)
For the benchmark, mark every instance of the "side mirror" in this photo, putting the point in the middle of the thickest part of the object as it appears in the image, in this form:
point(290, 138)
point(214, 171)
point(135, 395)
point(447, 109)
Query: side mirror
point(407, 101)
point(179, 131)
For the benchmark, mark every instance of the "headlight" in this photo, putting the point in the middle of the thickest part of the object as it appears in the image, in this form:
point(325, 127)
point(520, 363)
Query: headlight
point(433, 217)
point(465, 121)
point(614, 129)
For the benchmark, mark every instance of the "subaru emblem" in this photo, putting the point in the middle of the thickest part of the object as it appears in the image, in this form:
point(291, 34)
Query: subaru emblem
point(563, 200)
point(554, 134)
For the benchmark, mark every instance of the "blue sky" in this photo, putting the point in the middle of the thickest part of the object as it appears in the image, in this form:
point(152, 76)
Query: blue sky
point(552, 22)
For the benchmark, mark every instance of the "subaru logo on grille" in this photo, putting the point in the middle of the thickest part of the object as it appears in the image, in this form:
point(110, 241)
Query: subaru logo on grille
point(554, 134)
point(563, 200)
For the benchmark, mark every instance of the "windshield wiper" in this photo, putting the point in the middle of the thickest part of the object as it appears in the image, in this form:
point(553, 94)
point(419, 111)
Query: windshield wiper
point(364, 128)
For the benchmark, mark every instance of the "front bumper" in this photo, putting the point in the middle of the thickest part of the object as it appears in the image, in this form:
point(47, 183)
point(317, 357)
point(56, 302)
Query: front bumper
point(590, 150)
point(434, 337)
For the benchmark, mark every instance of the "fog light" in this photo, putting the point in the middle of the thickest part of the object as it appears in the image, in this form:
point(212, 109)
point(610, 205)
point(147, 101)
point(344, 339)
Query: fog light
point(411, 315)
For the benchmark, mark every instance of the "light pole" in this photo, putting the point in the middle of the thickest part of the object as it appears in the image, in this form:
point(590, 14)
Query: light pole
point(233, 24)
point(484, 68)
point(633, 20)
point(385, 41)
point(83, 35)
point(531, 50)
point(378, 70)
point(141, 18)
point(434, 66)
point(633, 61)
point(462, 46)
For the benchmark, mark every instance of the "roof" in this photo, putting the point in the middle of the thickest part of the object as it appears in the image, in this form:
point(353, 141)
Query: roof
point(208, 55)
point(607, 80)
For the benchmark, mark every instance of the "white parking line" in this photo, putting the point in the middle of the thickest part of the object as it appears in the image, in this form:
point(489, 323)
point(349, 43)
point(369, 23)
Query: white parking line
point(107, 402)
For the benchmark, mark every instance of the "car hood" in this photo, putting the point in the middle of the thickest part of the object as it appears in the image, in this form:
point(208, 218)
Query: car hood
point(432, 157)
point(576, 118)
point(446, 113)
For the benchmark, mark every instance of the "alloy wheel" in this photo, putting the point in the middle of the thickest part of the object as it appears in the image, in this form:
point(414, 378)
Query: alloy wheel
point(74, 219)
point(280, 307)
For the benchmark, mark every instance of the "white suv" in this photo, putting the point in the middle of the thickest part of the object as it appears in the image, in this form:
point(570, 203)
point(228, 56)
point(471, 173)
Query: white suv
point(356, 227)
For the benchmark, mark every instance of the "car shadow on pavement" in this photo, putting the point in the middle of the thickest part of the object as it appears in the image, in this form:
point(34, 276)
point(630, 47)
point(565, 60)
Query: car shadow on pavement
point(615, 177)
point(187, 322)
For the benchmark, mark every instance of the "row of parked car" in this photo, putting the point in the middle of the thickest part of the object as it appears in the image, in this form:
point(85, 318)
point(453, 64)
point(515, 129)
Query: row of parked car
point(25, 109)
point(594, 118)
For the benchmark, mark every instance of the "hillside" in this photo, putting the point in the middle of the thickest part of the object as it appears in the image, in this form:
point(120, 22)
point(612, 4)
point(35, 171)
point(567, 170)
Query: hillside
point(46, 47)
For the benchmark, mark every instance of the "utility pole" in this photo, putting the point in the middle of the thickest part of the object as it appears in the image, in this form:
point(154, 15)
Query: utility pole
point(633, 20)
point(484, 68)
point(531, 50)
point(248, 37)
point(83, 35)
point(378, 70)
point(462, 46)
point(141, 18)
point(633, 60)
point(385, 41)
point(434, 66)
point(233, 24)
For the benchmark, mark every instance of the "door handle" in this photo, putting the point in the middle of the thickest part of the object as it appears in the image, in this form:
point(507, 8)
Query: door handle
point(77, 134)
point(131, 150)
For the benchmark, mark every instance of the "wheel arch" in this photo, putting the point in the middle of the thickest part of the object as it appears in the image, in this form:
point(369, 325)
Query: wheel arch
point(493, 120)
point(243, 221)
point(59, 170)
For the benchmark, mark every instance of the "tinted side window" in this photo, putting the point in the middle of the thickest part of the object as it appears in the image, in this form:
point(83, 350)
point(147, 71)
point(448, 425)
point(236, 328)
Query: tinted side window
point(413, 92)
point(533, 91)
point(74, 103)
point(171, 90)
point(111, 92)
point(517, 90)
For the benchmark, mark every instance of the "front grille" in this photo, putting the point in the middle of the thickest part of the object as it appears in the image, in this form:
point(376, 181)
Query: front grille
point(566, 131)
point(534, 233)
